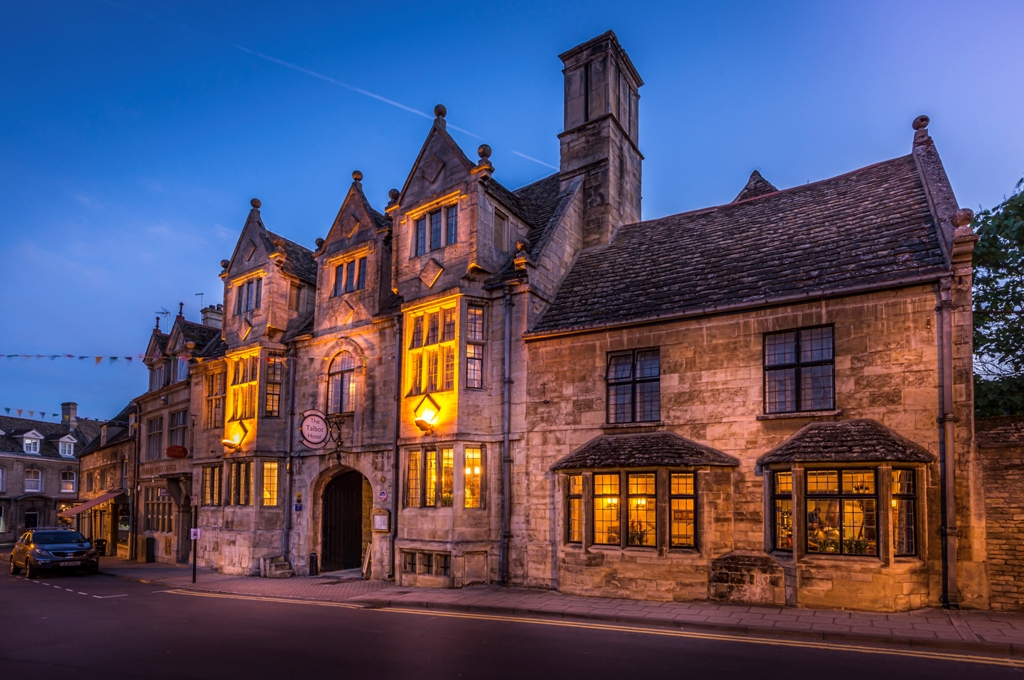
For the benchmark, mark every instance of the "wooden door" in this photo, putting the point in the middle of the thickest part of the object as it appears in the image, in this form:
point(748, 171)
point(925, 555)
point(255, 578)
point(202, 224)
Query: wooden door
point(343, 523)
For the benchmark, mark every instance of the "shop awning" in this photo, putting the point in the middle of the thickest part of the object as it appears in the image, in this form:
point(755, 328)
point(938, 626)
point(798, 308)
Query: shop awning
point(92, 503)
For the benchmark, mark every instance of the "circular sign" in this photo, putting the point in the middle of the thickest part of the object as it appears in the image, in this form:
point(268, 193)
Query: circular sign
point(383, 496)
point(176, 452)
point(314, 429)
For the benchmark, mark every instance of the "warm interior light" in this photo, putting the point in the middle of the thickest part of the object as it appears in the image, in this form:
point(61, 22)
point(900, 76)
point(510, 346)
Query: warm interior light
point(426, 414)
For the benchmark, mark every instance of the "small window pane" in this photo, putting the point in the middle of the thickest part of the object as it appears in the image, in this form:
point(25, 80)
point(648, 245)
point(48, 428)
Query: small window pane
point(859, 481)
point(780, 390)
point(780, 348)
point(452, 215)
point(417, 332)
point(648, 364)
point(783, 524)
point(648, 401)
point(575, 520)
point(783, 483)
point(413, 485)
point(432, 328)
point(473, 477)
point(822, 525)
point(816, 344)
point(435, 230)
point(620, 367)
point(682, 484)
point(641, 484)
point(448, 330)
point(642, 514)
point(430, 495)
point(859, 527)
point(903, 526)
point(575, 485)
point(816, 388)
point(606, 510)
point(822, 481)
point(903, 482)
point(682, 532)
point(447, 477)
point(475, 325)
point(620, 403)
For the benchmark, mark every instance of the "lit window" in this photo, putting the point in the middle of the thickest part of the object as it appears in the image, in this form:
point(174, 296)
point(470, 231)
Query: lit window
point(341, 385)
point(799, 371)
point(33, 480)
point(215, 389)
point(642, 510)
point(433, 368)
point(412, 484)
point(270, 473)
point(474, 470)
point(430, 483)
point(842, 512)
point(782, 499)
point(275, 375)
point(903, 512)
point(449, 368)
point(244, 387)
point(30, 445)
point(68, 482)
point(212, 485)
point(634, 386)
point(447, 477)
point(606, 510)
point(682, 510)
point(433, 472)
point(240, 483)
point(574, 509)
point(474, 366)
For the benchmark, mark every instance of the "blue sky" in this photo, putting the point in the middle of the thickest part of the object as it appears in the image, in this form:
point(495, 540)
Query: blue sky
point(133, 134)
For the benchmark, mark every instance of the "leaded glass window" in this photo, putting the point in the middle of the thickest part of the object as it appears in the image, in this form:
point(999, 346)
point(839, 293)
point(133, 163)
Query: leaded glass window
point(683, 510)
point(643, 511)
point(799, 371)
point(842, 512)
point(606, 509)
point(904, 512)
point(782, 510)
point(574, 509)
point(634, 386)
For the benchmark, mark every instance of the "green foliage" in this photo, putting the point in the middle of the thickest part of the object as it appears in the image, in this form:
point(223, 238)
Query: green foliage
point(998, 396)
point(999, 296)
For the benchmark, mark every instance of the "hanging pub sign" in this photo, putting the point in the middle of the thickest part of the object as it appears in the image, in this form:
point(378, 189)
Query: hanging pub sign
point(314, 429)
point(176, 451)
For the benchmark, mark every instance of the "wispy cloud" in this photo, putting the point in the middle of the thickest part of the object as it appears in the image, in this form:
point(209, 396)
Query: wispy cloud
point(320, 76)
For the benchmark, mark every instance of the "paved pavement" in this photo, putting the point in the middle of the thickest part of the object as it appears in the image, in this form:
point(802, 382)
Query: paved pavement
point(86, 627)
point(976, 631)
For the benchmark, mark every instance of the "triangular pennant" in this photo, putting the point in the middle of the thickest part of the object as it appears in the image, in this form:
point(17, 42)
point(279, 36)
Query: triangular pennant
point(19, 412)
point(7, 409)
point(31, 414)
point(98, 360)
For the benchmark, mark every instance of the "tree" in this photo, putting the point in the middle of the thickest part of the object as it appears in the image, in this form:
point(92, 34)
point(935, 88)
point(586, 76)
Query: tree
point(999, 307)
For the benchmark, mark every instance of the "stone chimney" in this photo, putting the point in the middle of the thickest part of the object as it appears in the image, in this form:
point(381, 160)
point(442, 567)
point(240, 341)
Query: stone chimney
point(601, 137)
point(213, 316)
point(69, 414)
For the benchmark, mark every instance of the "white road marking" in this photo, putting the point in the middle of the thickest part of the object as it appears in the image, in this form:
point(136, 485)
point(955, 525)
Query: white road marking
point(70, 590)
point(107, 597)
point(81, 593)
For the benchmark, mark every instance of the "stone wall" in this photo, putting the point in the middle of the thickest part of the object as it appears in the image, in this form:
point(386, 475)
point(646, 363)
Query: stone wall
point(1001, 454)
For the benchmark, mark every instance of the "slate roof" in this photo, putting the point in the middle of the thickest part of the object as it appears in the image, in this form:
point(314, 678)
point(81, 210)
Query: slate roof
point(196, 332)
point(868, 227)
point(214, 349)
point(756, 186)
point(846, 441)
point(161, 341)
point(84, 432)
point(642, 450)
point(1000, 431)
point(298, 261)
point(120, 420)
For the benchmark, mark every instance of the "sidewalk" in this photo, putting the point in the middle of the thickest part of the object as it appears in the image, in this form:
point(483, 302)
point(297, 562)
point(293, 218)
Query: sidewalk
point(978, 632)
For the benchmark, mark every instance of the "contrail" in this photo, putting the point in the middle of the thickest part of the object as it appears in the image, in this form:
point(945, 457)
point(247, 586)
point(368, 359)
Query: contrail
point(321, 76)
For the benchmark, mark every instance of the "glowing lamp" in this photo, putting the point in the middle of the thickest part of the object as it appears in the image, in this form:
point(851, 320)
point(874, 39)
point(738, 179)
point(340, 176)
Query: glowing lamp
point(235, 443)
point(426, 413)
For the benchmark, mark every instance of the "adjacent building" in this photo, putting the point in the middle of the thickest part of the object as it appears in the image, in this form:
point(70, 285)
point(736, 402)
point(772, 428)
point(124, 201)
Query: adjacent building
point(766, 401)
point(39, 472)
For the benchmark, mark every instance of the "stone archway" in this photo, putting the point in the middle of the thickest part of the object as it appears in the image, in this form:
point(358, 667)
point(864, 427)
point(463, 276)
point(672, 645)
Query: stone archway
point(346, 505)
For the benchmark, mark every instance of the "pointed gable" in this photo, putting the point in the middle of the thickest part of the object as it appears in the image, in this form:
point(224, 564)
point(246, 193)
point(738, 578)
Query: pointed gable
point(756, 186)
point(441, 163)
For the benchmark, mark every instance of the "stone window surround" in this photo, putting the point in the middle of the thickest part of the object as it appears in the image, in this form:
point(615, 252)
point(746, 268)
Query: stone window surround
point(662, 544)
point(418, 352)
point(634, 383)
point(765, 413)
point(458, 475)
point(886, 553)
point(449, 201)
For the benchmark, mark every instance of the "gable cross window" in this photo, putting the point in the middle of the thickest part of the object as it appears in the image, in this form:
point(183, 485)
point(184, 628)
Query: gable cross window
point(349, 276)
point(799, 369)
point(248, 295)
point(634, 386)
point(430, 229)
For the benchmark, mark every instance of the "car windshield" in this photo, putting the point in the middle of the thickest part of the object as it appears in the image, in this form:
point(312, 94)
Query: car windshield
point(50, 537)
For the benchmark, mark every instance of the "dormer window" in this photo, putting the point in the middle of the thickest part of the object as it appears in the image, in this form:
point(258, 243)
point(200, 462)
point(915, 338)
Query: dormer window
point(156, 376)
point(350, 276)
point(30, 445)
point(67, 449)
point(179, 369)
point(436, 230)
point(248, 295)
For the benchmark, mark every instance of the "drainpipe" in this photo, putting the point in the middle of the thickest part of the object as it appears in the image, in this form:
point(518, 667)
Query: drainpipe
point(948, 529)
point(287, 530)
point(133, 534)
point(506, 456)
point(395, 468)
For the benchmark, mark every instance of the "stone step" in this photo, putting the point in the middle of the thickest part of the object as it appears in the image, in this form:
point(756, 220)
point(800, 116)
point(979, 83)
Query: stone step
point(279, 570)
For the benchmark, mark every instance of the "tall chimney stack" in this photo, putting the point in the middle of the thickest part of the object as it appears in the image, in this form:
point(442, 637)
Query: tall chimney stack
point(213, 316)
point(600, 141)
point(69, 414)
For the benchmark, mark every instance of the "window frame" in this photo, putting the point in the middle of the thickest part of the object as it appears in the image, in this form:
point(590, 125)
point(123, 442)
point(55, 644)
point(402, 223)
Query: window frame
point(572, 494)
point(272, 386)
point(797, 366)
point(436, 459)
point(216, 393)
point(776, 497)
point(73, 479)
point(431, 350)
point(212, 485)
point(478, 472)
point(154, 433)
point(694, 496)
point(38, 479)
point(910, 498)
point(270, 484)
point(30, 445)
point(633, 381)
point(343, 365)
point(177, 427)
point(841, 496)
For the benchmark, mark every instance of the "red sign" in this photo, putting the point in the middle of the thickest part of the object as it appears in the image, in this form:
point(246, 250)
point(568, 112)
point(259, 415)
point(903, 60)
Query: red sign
point(176, 452)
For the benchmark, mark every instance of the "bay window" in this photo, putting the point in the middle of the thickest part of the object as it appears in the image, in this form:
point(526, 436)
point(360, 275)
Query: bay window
point(842, 512)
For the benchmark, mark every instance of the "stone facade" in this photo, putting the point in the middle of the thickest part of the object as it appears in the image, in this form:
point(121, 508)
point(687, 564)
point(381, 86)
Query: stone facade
point(465, 347)
point(106, 483)
point(1001, 455)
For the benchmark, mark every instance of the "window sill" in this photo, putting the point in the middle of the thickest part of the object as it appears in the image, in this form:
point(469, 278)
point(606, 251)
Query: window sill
point(800, 414)
point(630, 427)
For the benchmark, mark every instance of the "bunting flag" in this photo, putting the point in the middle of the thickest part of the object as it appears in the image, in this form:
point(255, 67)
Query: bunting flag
point(96, 359)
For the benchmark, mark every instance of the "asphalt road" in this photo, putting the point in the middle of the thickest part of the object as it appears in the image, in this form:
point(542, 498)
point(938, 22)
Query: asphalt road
point(77, 626)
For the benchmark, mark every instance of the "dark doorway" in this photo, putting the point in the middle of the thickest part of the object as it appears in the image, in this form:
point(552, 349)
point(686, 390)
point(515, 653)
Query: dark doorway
point(343, 523)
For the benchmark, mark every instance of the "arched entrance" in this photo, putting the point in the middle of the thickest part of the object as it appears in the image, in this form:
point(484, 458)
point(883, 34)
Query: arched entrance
point(346, 522)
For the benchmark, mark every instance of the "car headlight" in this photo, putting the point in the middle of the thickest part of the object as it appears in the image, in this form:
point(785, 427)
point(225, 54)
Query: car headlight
point(42, 553)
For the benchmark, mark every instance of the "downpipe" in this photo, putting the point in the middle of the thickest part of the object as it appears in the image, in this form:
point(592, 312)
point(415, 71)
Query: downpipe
point(287, 530)
point(395, 467)
point(506, 454)
point(947, 441)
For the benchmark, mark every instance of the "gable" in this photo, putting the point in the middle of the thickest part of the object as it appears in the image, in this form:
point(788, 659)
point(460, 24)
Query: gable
point(441, 164)
point(354, 224)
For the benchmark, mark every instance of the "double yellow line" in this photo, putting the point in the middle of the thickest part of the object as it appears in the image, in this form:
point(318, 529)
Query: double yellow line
point(665, 632)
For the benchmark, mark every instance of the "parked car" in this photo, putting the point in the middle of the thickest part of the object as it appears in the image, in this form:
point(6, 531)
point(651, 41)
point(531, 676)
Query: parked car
point(50, 549)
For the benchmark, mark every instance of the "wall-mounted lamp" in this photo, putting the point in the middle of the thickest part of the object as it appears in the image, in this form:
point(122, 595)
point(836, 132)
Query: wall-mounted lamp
point(426, 413)
point(235, 443)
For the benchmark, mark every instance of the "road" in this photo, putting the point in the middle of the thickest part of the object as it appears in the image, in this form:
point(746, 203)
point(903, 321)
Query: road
point(79, 626)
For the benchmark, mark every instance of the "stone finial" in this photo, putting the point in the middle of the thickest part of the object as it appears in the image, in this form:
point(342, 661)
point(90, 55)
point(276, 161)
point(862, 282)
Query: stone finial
point(157, 327)
point(224, 264)
point(181, 309)
point(319, 243)
point(484, 150)
point(394, 194)
point(963, 217)
point(484, 164)
point(921, 122)
point(357, 176)
point(921, 130)
point(440, 111)
point(256, 203)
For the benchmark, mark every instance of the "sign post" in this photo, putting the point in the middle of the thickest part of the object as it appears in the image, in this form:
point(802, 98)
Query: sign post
point(194, 535)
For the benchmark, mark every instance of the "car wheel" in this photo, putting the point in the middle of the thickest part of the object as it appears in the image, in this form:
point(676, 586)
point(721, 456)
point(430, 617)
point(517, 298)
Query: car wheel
point(30, 571)
point(15, 569)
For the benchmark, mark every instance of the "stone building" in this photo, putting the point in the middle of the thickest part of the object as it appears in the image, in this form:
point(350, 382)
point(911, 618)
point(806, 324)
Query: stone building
point(39, 475)
point(106, 475)
point(766, 401)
